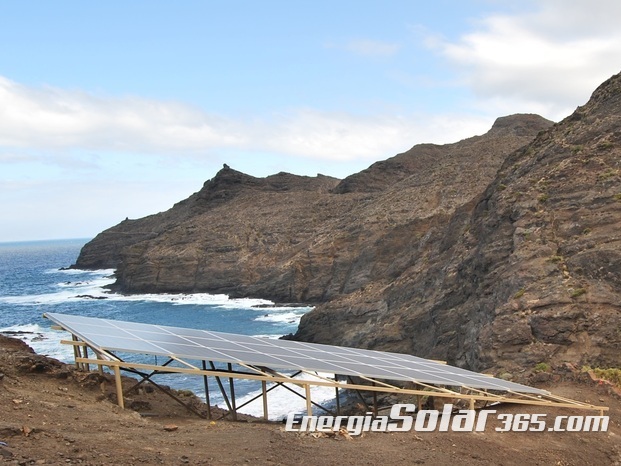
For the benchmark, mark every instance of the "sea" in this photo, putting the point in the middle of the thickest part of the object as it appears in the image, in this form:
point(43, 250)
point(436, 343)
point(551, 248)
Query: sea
point(35, 279)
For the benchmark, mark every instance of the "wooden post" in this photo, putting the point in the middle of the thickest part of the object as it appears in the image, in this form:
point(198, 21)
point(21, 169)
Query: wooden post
point(86, 365)
point(119, 387)
point(374, 402)
point(232, 391)
point(102, 385)
point(338, 402)
point(206, 382)
point(76, 353)
point(309, 406)
point(264, 388)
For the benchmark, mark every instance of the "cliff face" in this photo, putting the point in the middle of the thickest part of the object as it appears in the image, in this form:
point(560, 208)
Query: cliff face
point(501, 250)
point(528, 272)
point(300, 239)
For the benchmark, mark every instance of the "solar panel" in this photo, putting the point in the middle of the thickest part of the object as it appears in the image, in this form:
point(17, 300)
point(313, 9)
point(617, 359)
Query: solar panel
point(133, 337)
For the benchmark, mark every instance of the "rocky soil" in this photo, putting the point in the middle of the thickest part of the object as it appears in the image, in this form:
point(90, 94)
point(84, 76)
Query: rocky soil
point(53, 414)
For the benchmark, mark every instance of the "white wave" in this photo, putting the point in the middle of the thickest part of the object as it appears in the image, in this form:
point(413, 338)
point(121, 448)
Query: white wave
point(49, 298)
point(246, 303)
point(43, 340)
point(81, 271)
point(291, 317)
point(85, 283)
point(81, 290)
point(281, 401)
point(93, 283)
point(93, 286)
point(219, 300)
point(268, 309)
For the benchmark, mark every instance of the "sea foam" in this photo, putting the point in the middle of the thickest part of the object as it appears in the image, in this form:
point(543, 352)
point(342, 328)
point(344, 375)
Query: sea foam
point(44, 341)
point(92, 285)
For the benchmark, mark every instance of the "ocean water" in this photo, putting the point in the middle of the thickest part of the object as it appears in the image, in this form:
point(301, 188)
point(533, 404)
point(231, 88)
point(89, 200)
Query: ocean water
point(32, 282)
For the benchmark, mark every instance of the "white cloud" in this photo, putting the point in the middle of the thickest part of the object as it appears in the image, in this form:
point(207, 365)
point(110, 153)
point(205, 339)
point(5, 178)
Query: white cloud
point(345, 137)
point(547, 61)
point(52, 124)
point(54, 118)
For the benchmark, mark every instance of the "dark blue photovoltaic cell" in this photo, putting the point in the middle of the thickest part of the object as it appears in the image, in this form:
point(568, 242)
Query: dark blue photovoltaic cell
point(133, 337)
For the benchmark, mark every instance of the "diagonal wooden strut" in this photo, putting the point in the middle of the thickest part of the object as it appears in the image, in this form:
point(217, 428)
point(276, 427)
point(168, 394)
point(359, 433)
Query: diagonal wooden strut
point(147, 377)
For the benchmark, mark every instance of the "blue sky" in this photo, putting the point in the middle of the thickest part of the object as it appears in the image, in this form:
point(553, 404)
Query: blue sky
point(120, 109)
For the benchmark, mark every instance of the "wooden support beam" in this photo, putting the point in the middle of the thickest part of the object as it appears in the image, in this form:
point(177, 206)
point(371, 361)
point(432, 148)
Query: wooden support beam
point(432, 391)
point(206, 383)
point(379, 382)
point(119, 386)
point(264, 390)
point(76, 352)
point(374, 402)
point(338, 401)
point(309, 406)
point(73, 342)
point(264, 374)
point(179, 360)
point(87, 366)
point(232, 392)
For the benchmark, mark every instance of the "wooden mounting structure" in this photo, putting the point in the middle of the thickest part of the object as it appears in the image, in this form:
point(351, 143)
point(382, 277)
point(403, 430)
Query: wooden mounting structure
point(265, 375)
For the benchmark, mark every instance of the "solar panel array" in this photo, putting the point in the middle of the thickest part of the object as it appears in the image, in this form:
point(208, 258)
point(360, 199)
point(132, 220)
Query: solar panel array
point(205, 345)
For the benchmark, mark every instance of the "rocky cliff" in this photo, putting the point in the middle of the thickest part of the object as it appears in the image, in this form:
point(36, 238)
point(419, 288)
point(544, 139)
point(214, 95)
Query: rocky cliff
point(305, 239)
point(528, 272)
point(501, 250)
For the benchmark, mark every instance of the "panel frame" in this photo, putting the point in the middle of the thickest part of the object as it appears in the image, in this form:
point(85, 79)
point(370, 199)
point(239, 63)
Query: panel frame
point(429, 378)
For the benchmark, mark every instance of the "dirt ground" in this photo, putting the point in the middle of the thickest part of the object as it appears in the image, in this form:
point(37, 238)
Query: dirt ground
point(52, 414)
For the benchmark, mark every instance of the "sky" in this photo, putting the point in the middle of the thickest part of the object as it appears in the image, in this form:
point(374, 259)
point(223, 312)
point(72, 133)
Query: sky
point(120, 109)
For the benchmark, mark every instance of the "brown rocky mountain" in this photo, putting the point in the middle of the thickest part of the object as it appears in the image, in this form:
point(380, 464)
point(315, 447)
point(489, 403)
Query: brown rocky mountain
point(528, 272)
point(300, 239)
point(501, 250)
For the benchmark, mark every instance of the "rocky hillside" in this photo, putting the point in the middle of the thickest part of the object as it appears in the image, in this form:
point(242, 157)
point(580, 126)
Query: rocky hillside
point(528, 272)
point(500, 251)
point(301, 239)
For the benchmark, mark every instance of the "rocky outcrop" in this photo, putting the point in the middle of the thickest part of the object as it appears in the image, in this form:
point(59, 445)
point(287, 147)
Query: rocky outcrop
point(528, 272)
point(305, 239)
point(104, 251)
point(444, 162)
point(501, 250)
